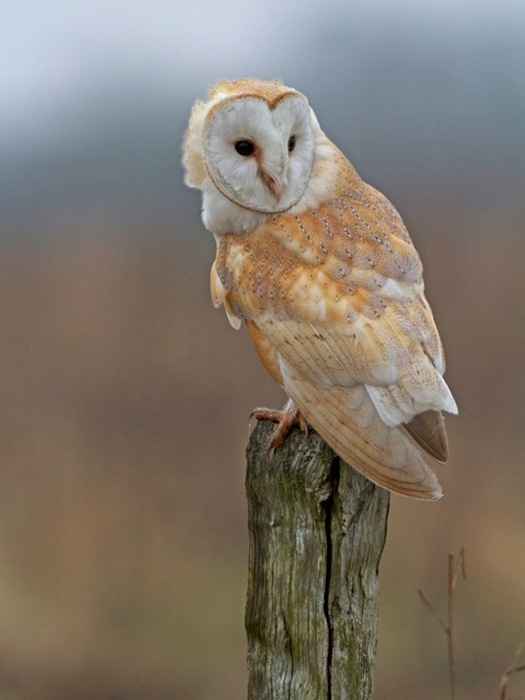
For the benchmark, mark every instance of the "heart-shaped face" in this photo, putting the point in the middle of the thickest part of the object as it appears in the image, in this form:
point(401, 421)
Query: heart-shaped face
point(259, 154)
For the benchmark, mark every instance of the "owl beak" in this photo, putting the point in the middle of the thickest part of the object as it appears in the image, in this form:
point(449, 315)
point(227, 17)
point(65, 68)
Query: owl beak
point(275, 187)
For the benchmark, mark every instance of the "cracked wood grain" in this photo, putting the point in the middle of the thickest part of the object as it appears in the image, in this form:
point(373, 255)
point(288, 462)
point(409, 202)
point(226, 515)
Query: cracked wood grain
point(317, 530)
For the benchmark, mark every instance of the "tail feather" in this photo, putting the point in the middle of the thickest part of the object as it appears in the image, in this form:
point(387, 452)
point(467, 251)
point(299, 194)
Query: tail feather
point(428, 430)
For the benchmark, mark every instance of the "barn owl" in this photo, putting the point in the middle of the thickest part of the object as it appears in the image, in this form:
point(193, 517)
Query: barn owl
point(321, 270)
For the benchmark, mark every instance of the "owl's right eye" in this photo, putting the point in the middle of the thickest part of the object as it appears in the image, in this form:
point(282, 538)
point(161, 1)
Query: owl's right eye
point(244, 148)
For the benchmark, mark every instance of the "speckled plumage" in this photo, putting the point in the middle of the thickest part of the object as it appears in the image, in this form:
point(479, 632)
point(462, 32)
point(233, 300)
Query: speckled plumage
point(331, 292)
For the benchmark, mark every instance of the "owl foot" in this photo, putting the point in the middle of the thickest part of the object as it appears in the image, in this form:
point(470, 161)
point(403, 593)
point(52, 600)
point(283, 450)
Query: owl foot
point(286, 419)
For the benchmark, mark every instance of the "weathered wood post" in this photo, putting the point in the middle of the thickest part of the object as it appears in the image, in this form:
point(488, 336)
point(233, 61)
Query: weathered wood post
point(317, 530)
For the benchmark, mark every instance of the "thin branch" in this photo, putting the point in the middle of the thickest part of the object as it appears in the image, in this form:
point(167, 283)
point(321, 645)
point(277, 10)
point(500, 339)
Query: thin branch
point(509, 671)
point(456, 565)
point(432, 611)
point(460, 564)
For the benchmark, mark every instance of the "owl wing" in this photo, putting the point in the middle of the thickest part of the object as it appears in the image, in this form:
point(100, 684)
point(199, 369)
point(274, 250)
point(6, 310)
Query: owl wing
point(334, 302)
point(347, 412)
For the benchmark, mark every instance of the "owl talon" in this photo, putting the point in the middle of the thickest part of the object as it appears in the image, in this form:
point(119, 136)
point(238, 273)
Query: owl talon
point(285, 419)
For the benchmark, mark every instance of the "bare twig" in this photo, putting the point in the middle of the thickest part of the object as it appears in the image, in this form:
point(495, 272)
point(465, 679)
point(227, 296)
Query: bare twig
point(433, 611)
point(456, 565)
point(507, 673)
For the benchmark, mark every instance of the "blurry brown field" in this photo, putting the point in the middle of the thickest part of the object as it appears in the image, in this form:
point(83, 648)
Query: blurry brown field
point(124, 410)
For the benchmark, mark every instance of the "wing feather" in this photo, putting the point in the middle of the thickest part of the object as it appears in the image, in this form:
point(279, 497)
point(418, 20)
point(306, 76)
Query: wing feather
point(346, 418)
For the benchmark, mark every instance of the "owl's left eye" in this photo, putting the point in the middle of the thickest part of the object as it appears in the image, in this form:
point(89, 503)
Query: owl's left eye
point(291, 143)
point(244, 147)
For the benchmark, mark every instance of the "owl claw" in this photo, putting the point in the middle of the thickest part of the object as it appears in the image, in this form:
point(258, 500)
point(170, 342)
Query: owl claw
point(285, 419)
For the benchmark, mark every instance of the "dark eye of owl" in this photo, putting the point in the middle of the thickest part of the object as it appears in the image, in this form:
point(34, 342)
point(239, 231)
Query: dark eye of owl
point(244, 148)
point(291, 143)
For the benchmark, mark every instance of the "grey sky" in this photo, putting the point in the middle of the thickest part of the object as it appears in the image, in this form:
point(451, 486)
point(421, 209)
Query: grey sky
point(53, 52)
point(426, 97)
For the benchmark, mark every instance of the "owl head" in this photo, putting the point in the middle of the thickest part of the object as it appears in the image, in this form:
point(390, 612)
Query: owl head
point(250, 148)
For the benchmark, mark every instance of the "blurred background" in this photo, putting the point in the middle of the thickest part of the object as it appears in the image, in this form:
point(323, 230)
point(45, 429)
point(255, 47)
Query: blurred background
point(125, 396)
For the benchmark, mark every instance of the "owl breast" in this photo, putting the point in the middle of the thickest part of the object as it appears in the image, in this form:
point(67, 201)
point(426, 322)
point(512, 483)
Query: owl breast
point(339, 260)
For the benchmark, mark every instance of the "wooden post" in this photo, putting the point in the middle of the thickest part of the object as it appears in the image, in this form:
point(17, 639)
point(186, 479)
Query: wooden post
point(317, 530)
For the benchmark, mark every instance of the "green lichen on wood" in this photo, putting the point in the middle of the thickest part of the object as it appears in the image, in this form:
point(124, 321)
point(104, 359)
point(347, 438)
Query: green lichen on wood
point(317, 530)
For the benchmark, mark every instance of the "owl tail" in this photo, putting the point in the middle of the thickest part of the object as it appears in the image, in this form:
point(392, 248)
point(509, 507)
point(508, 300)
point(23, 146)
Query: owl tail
point(428, 430)
point(347, 419)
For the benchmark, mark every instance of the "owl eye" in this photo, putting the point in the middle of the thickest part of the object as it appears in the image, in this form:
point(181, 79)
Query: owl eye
point(291, 143)
point(244, 148)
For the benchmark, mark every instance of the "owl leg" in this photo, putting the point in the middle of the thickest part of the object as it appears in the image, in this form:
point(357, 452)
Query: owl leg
point(286, 419)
